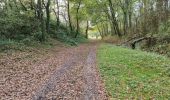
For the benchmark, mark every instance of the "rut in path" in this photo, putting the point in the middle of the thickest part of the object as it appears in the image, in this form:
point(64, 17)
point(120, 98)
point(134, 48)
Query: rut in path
point(77, 79)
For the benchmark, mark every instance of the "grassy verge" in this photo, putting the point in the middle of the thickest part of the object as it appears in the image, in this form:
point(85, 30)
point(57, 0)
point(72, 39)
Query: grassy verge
point(131, 74)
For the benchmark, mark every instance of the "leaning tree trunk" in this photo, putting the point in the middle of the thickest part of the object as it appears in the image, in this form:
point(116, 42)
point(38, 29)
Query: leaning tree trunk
point(133, 44)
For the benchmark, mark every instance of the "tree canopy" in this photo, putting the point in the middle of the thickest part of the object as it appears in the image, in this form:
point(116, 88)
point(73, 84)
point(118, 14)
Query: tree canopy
point(120, 18)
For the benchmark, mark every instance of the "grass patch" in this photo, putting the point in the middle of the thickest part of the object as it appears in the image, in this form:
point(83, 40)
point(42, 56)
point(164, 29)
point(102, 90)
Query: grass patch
point(133, 74)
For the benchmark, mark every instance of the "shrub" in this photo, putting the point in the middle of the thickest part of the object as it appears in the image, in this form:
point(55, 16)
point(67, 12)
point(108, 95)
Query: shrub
point(14, 25)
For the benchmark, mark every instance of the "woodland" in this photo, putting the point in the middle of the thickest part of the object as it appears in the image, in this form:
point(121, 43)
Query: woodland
point(128, 21)
point(84, 49)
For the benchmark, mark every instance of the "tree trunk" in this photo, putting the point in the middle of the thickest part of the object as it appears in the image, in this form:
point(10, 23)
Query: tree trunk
point(87, 28)
point(58, 14)
point(145, 17)
point(41, 20)
point(100, 31)
point(69, 16)
point(113, 18)
point(48, 16)
point(130, 10)
point(125, 26)
point(125, 10)
point(77, 18)
point(130, 21)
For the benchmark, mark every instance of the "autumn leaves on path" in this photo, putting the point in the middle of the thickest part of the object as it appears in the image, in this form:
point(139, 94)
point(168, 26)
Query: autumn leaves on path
point(73, 76)
point(77, 78)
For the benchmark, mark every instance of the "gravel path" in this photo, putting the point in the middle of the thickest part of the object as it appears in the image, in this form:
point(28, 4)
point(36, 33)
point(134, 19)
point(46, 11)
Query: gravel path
point(72, 75)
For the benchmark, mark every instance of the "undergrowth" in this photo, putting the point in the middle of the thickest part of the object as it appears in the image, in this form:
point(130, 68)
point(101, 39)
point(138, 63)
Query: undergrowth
point(134, 74)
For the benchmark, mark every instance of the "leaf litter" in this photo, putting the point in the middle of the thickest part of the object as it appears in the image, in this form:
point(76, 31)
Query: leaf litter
point(66, 74)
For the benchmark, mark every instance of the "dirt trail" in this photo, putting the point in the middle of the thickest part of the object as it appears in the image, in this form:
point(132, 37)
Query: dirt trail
point(72, 75)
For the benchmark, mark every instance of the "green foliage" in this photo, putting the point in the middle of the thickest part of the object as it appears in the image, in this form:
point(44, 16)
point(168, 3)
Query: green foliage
point(24, 28)
point(162, 43)
point(164, 32)
point(133, 74)
point(10, 45)
point(37, 36)
point(15, 25)
point(63, 37)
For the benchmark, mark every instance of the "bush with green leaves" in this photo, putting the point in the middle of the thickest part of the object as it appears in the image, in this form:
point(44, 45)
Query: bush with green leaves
point(24, 27)
point(17, 25)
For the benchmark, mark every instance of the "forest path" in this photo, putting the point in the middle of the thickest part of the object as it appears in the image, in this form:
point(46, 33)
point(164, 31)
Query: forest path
point(76, 79)
point(67, 73)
